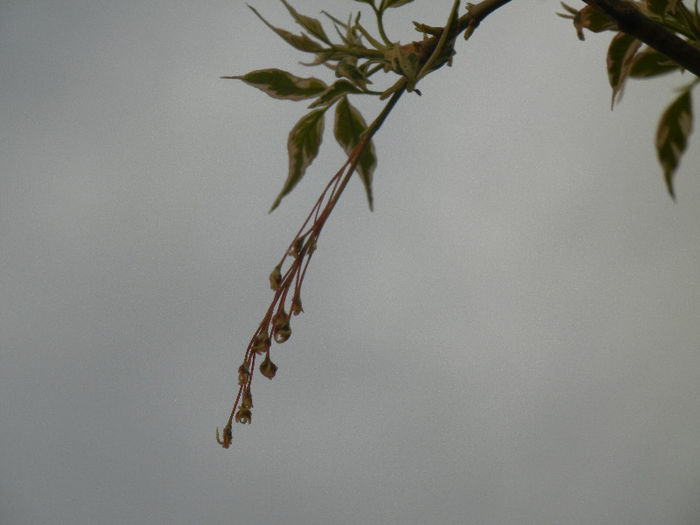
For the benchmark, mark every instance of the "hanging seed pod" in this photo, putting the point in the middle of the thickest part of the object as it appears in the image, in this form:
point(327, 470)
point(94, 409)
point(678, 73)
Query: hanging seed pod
point(296, 305)
point(243, 415)
point(297, 247)
point(261, 344)
point(268, 368)
point(281, 330)
point(228, 436)
point(276, 277)
point(247, 399)
point(243, 374)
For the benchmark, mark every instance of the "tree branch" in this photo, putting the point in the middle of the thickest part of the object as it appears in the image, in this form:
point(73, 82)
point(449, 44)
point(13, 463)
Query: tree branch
point(467, 22)
point(625, 14)
point(476, 13)
point(653, 34)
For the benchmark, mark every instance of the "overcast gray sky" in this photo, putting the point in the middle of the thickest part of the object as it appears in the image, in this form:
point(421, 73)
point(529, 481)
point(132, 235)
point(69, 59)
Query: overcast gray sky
point(511, 337)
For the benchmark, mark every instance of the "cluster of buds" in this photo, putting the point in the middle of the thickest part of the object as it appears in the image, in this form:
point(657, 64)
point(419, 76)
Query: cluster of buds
point(285, 280)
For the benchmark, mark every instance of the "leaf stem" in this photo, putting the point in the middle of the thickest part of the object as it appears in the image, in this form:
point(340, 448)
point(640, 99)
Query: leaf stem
point(379, 14)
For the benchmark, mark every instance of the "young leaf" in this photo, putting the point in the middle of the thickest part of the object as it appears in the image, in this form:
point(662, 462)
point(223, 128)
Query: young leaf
point(619, 61)
point(397, 3)
point(672, 136)
point(650, 63)
point(312, 25)
point(346, 68)
point(300, 42)
point(280, 84)
point(302, 145)
point(351, 37)
point(404, 61)
point(348, 129)
point(661, 7)
point(588, 18)
point(334, 92)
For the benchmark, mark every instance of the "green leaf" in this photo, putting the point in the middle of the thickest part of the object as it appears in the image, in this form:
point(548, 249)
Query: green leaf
point(661, 7)
point(283, 85)
point(312, 25)
point(302, 145)
point(588, 18)
point(651, 63)
point(350, 38)
point(672, 136)
point(327, 55)
point(619, 61)
point(404, 62)
point(300, 42)
point(334, 92)
point(673, 15)
point(347, 68)
point(348, 129)
point(397, 3)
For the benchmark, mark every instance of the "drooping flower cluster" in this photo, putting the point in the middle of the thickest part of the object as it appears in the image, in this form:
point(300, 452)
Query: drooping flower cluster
point(286, 280)
point(354, 64)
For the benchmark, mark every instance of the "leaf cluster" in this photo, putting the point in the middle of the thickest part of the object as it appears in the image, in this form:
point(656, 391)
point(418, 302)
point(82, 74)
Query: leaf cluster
point(355, 56)
point(628, 57)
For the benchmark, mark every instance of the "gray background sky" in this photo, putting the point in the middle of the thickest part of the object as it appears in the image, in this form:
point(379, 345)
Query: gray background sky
point(510, 338)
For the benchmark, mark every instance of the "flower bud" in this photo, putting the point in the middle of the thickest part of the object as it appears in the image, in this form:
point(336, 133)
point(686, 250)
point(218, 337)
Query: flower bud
point(243, 374)
point(247, 399)
point(281, 330)
point(297, 247)
point(268, 368)
point(261, 343)
point(311, 246)
point(276, 277)
point(296, 305)
point(243, 415)
point(228, 436)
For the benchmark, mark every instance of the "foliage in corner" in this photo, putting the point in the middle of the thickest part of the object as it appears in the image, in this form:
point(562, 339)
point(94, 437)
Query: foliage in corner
point(360, 61)
point(628, 57)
